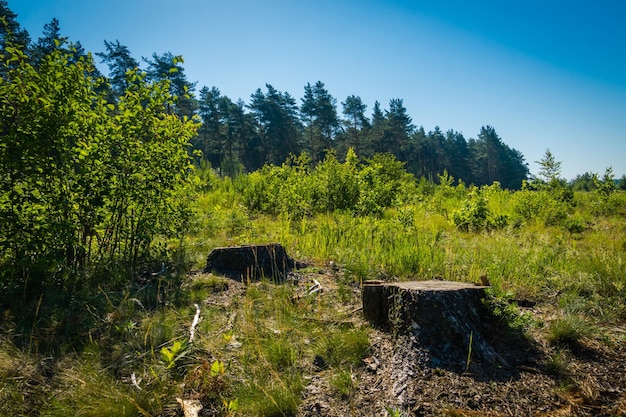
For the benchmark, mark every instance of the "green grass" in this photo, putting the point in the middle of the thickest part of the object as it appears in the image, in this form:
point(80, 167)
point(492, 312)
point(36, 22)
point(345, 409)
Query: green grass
point(267, 338)
point(568, 331)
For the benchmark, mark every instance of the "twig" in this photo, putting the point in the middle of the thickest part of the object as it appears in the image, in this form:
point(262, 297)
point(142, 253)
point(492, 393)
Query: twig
point(196, 320)
point(317, 287)
point(355, 310)
point(133, 379)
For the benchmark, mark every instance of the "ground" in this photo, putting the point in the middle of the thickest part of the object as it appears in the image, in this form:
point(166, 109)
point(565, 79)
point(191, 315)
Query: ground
point(397, 378)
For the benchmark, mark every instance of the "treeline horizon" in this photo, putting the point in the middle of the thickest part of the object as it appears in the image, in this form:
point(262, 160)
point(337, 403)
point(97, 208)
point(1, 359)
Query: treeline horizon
point(237, 137)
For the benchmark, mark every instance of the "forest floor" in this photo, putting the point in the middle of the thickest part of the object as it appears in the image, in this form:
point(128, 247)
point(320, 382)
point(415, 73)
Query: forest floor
point(398, 378)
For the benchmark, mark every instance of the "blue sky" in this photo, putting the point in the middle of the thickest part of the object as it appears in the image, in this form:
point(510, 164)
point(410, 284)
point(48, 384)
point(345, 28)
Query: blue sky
point(545, 74)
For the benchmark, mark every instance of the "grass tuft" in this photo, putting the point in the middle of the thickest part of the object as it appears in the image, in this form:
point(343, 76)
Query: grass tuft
point(568, 330)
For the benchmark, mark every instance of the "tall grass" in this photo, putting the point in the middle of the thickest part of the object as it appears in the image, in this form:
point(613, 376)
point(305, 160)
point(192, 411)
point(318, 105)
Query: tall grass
point(528, 254)
point(263, 339)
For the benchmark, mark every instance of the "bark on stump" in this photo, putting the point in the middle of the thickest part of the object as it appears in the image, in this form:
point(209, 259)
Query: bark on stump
point(447, 319)
point(250, 262)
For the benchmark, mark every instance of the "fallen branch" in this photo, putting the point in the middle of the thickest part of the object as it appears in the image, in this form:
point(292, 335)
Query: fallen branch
point(196, 320)
point(317, 287)
point(133, 380)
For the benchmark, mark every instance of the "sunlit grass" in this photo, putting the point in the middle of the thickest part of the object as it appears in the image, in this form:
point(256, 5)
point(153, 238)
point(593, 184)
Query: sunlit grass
point(267, 337)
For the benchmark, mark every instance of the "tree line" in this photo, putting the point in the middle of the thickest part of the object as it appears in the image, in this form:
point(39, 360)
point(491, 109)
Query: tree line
point(236, 136)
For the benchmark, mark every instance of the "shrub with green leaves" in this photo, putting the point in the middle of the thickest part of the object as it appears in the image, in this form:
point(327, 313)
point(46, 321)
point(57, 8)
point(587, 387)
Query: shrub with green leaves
point(295, 190)
point(550, 207)
point(85, 184)
point(335, 186)
point(475, 215)
point(280, 189)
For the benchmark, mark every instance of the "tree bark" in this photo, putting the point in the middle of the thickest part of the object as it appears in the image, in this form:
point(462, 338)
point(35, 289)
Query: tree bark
point(250, 262)
point(448, 319)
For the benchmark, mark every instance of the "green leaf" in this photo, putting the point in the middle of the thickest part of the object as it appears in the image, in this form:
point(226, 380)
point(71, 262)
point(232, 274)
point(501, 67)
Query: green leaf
point(217, 369)
point(167, 356)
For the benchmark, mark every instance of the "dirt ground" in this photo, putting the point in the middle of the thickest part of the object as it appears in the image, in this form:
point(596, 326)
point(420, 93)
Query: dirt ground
point(399, 378)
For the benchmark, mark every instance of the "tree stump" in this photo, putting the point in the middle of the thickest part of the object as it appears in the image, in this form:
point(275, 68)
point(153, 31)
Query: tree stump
point(250, 262)
point(447, 319)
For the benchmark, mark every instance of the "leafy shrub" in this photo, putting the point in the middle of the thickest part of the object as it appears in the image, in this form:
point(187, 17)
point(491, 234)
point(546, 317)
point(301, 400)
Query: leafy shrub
point(551, 208)
point(367, 188)
point(475, 216)
point(88, 184)
point(575, 224)
point(335, 185)
point(380, 181)
point(280, 190)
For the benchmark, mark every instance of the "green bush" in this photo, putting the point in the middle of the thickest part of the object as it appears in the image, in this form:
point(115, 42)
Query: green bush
point(334, 185)
point(87, 185)
point(296, 191)
point(551, 208)
point(475, 215)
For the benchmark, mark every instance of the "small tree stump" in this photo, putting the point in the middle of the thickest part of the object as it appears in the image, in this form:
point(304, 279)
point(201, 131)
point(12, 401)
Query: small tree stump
point(250, 262)
point(448, 319)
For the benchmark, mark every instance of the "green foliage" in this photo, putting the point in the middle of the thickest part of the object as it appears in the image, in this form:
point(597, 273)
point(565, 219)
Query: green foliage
point(568, 330)
point(381, 181)
point(550, 168)
point(88, 184)
point(277, 190)
point(263, 340)
point(393, 412)
point(334, 186)
point(172, 354)
point(92, 191)
point(507, 311)
point(294, 190)
point(475, 215)
point(552, 207)
point(217, 369)
point(583, 182)
point(605, 189)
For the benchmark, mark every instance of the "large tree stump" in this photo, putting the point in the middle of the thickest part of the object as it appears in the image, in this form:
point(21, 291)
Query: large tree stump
point(250, 262)
point(448, 319)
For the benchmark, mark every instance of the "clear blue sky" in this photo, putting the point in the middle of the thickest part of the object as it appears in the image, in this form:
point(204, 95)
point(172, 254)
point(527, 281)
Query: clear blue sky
point(545, 74)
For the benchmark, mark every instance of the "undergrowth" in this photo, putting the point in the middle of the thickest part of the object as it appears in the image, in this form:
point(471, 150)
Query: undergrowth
point(126, 352)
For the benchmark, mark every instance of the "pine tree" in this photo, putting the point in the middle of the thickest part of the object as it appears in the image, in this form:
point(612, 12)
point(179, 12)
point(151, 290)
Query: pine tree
point(550, 168)
point(376, 144)
point(210, 140)
point(319, 113)
point(169, 67)
point(356, 121)
point(119, 60)
point(10, 29)
point(52, 40)
point(398, 129)
point(279, 126)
